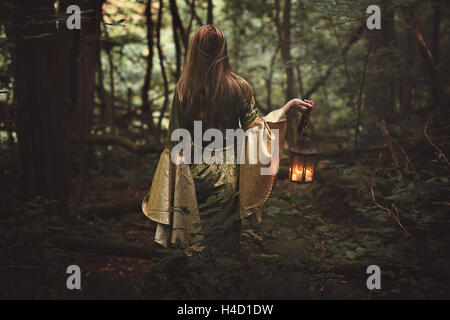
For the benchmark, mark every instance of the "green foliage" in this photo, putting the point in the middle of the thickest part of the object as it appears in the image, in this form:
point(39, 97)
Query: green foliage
point(27, 253)
point(316, 239)
point(318, 242)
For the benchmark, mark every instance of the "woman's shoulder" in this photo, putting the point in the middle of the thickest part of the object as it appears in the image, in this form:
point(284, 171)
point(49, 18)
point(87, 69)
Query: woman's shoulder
point(245, 87)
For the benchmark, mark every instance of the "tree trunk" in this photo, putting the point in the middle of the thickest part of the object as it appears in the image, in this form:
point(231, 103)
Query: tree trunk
point(161, 64)
point(45, 85)
point(430, 59)
point(146, 104)
point(379, 93)
point(210, 16)
point(284, 38)
point(87, 41)
point(269, 80)
point(406, 81)
point(110, 110)
point(178, 34)
point(436, 28)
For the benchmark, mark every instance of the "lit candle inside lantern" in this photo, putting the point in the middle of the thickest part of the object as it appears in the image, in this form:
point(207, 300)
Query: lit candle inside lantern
point(309, 174)
point(297, 175)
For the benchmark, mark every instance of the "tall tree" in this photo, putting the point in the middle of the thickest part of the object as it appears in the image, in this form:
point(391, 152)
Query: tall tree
point(161, 63)
point(146, 104)
point(54, 82)
point(209, 10)
point(284, 40)
point(179, 35)
point(427, 53)
point(85, 59)
point(380, 84)
point(45, 82)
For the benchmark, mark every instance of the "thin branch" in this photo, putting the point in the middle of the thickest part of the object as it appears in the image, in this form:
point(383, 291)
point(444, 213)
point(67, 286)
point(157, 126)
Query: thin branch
point(356, 35)
point(394, 215)
point(254, 235)
point(341, 48)
point(124, 143)
point(429, 139)
point(194, 12)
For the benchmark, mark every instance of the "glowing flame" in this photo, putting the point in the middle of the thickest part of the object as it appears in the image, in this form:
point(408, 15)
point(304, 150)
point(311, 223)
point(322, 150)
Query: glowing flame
point(298, 172)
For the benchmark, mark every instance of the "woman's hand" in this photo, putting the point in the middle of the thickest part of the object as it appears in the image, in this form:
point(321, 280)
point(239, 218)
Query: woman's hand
point(299, 105)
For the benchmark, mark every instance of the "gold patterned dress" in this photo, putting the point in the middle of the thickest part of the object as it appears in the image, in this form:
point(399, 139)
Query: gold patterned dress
point(181, 194)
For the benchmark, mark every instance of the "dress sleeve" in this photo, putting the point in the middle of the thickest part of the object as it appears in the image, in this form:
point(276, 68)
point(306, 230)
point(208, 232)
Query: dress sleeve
point(172, 191)
point(255, 186)
point(175, 121)
point(248, 114)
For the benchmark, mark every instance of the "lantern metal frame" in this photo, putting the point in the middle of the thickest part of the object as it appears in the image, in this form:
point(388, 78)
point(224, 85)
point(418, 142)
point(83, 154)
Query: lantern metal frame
point(305, 150)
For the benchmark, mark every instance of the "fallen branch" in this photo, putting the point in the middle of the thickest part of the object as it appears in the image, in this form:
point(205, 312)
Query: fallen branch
point(254, 235)
point(112, 209)
point(107, 247)
point(442, 203)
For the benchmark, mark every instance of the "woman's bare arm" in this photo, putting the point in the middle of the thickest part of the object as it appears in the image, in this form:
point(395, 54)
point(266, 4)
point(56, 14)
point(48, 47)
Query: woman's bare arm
point(299, 105)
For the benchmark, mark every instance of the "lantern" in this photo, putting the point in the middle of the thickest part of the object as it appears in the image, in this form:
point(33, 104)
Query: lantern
point(303, 156)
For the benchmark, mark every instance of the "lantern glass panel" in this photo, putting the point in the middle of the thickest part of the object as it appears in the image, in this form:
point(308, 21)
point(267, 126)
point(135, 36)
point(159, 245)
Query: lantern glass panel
point(309, 168)
point(296, 168)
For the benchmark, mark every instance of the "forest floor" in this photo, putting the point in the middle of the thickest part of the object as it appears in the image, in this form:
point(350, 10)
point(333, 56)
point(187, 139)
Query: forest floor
point(323, 250)
point(315, 242)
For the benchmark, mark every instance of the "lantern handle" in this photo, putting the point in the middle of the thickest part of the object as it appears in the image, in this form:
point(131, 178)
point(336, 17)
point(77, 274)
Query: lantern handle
point(303, 126)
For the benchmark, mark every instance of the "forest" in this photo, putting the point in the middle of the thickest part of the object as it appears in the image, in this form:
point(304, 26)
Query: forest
point(84, 114)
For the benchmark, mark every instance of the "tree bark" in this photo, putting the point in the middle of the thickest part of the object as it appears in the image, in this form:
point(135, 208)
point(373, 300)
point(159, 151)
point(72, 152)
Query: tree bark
point(284, 40)
point(87, 40)
point(436, 29)
point(146, 103)
point(183, 35)
point(361, 90)
point(210, 16)
point(269, 80)
point(380, 94)
point(178, 34)
point(45, 82)
point(161, 64)
point(110, 110)
point(406, 81)
point(430, 59)
point(191, 5)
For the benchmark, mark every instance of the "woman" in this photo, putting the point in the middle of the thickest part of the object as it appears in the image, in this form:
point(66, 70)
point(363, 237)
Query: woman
point(182, 195)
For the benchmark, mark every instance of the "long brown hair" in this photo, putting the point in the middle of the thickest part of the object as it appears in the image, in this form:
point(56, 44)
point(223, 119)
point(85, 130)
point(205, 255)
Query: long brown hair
point(207, 85)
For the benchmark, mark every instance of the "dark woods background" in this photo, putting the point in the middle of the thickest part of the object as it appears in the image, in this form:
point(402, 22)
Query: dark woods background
point(83, 115)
